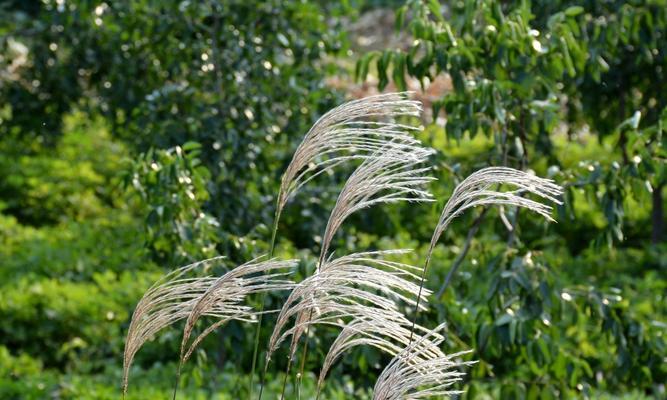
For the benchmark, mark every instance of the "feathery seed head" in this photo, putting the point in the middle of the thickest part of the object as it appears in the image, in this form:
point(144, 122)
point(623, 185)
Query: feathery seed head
point(354, 130)
point(417, 372)
point(223, 298)
point(388, 176)
point(176, 297)
point(361, 286)
point(169, 300)
point(476, 190)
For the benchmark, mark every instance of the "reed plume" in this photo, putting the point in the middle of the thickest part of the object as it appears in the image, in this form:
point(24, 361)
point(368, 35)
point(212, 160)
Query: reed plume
point(361, 294)
point(224, 297)
point(476, 190)
point(354, 130)
point(361, 285)
point(167, 301)
point(419, 372)
point(388, 335)
point(389, 176)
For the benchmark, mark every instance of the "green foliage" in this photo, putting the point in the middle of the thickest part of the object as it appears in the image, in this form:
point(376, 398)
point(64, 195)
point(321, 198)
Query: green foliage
point(70, 250)
point(572, 90)
point(25, 378)
point(521, 72)
point(70, 322)
point(74, 182)
point(539, 329)
point(241, 78)
point(172, 184)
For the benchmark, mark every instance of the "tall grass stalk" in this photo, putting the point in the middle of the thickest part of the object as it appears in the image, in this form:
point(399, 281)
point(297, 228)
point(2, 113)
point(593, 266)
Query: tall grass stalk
point(167, 301)
point(343, 134)
point(388, 176)
point(272, 247)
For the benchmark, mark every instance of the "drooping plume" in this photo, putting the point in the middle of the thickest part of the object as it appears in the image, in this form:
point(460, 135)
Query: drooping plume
point(390, 175)
point(387, 335)
point(176, 297)
point(223, 299)
point(476, 190)
point(417, 372)
point(359, 130)
point(169, 300)
point(354, 130)
point(361, 286)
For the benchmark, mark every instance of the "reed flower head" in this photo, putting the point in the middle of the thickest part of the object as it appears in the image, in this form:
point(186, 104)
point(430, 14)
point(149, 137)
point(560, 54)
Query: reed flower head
point(476, 190)
point(224, 297)
point(169, 300)
point(389, 176)
point(354, 130)
point(361, 286)
point(417, 372)
point(387, 335)
point(178, 296)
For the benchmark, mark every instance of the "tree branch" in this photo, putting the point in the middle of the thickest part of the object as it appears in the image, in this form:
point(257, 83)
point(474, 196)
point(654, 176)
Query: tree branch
point(461, 256)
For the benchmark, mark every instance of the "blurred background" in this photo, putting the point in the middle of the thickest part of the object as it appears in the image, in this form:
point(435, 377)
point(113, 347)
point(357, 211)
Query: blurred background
point(136, 137)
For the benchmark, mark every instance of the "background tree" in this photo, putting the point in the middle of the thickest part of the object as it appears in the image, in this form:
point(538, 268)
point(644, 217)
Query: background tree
point(241, 79)
point(533, 78)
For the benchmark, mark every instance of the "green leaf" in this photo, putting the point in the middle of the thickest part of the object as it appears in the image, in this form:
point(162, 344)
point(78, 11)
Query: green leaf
point(434, 7)
point(400, 18)
point(191, 145)
point(361, 71)
point(483, 336)
point(382, 65)
point(499, 111)
point(569, 65)
point(503, 320)
point(513, 326)
point(574, 11)
point(399, 71)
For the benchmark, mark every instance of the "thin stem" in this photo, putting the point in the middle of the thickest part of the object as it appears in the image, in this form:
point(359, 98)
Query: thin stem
point(303, 357)
point(287, 371)
point(261, 313)
point(419, 294)
point(261, 386)
point(320, 262)
point(178, 379)
point(457, 263)
point(310, 315)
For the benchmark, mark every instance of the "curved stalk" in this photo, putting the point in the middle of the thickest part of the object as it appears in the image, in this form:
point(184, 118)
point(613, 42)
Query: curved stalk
point(450, 274)
point(255, 352)
point(178, 379)
point(287, 371)
point(419, 295)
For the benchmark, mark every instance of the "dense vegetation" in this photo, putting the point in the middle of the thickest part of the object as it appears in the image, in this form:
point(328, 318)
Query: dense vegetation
point(138, 136)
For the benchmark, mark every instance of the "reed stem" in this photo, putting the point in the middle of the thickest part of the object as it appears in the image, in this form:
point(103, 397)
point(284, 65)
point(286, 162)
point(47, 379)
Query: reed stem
point(261, 314)
point(178, 379)
point(287, 371)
